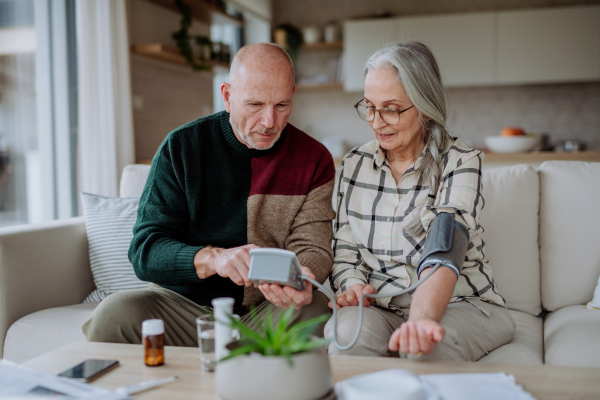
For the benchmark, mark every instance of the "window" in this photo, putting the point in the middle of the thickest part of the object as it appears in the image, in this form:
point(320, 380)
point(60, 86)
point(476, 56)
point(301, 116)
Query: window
point(37, 111)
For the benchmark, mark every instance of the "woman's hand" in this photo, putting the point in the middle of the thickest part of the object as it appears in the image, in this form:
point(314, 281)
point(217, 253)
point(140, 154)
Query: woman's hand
point(416, 336)
point(351, 296)
point(285, 296)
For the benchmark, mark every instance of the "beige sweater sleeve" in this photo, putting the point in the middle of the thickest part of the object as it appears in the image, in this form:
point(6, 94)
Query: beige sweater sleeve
point(312, 231)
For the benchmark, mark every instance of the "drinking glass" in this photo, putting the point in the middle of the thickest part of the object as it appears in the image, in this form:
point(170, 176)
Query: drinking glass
point(206, 341)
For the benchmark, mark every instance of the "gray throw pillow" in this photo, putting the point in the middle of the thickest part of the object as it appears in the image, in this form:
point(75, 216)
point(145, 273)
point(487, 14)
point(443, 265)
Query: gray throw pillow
point(109, 223)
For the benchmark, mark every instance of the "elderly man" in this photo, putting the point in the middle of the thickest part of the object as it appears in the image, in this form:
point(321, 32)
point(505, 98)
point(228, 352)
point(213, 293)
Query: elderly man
point(219, 187)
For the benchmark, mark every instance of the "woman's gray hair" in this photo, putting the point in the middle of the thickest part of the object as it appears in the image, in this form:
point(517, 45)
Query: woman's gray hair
point(419, 74)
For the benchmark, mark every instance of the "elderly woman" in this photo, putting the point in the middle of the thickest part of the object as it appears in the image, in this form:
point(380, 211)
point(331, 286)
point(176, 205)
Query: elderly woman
point(391, 191)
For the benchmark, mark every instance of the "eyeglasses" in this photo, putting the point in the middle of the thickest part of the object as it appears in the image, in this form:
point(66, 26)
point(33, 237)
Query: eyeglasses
point(389, 115)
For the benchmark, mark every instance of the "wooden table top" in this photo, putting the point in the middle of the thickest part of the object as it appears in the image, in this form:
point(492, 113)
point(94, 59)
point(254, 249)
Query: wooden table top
point(543, 382)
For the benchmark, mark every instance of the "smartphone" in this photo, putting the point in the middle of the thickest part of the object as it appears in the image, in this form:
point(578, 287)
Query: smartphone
point(89, 370)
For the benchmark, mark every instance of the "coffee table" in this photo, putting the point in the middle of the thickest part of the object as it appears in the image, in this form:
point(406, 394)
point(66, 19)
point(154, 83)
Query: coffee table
point(544, 382)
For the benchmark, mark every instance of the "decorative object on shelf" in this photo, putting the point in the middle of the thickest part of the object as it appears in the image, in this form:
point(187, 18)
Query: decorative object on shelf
point(184, 39)
point(311, 34)
point(288, 37)
point(280, 38)
point(220, 5)
point(204, 48)
point(225, 53)
point(275, 361)
point(331, 32)
point(216, 51)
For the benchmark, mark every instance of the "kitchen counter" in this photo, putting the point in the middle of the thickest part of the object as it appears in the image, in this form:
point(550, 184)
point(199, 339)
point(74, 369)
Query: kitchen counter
point(534, 159)
point(492, 160)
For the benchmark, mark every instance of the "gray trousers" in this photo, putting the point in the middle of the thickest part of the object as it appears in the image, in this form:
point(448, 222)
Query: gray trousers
point(473, 329)
point(118, 319)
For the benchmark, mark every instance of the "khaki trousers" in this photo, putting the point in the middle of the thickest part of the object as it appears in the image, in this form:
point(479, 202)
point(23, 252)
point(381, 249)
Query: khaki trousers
point(118, 319)
point(473, 329)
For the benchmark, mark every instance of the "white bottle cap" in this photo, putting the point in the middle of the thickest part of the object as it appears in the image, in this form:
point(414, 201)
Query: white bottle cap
point(223, 302)
point(151, 327)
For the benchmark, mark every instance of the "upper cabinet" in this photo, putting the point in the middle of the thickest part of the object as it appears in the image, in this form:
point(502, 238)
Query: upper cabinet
point(492, 48)
point(361, 39)
point(543, 46)
point(463, 45)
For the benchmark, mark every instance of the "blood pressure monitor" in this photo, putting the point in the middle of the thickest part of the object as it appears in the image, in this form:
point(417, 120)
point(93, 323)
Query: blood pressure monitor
point(277, 266)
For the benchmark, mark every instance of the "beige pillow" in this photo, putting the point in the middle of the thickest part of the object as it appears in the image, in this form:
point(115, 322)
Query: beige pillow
point(510, 223)
point(569, 232)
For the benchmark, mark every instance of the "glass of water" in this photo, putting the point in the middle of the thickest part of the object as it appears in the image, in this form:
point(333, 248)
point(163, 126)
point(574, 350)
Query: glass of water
point(206, 341)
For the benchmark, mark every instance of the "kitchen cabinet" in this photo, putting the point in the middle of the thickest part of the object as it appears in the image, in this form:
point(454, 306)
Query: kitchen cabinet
point(361, 39)
point(492, 48)
point(463, 45)
point(552, 45)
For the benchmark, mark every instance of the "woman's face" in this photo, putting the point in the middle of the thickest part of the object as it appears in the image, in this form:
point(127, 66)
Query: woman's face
point(383, 90)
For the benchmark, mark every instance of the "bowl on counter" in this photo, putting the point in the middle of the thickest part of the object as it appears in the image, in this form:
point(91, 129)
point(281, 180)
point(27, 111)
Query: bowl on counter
point(510, 144)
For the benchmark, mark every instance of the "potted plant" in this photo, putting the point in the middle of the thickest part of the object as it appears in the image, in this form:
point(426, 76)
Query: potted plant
point(275, 361)
point(289, 37)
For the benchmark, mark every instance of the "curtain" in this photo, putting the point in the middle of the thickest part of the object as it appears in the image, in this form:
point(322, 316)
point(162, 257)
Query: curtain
point(105, 141)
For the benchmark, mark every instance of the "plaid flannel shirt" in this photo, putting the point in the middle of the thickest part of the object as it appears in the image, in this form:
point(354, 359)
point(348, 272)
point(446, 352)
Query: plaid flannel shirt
point(370, 244)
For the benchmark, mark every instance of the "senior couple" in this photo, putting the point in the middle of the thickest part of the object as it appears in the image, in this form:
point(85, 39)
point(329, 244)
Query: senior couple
point(245, 178)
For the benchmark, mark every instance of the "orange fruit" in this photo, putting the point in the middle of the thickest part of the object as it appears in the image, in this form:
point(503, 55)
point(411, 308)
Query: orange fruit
point(512, 131)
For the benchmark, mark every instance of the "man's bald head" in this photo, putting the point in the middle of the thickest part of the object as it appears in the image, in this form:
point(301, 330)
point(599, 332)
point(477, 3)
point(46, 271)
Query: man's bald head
point(258, 96)
point(266, 58)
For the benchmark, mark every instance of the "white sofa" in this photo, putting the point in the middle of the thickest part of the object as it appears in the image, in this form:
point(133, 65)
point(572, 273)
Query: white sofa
point(542, 234)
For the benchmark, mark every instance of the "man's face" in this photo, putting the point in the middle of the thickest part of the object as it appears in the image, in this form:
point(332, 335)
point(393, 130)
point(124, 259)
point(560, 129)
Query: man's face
point(259, 103)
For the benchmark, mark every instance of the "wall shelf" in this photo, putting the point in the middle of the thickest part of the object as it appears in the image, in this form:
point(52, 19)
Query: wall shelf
point(323, 46)
point(320, 86)
point(204, 10)
point(163, 53)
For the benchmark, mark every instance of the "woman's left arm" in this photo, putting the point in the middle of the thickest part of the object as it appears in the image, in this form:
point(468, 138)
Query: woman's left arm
point(422, 331)
point(459, 194)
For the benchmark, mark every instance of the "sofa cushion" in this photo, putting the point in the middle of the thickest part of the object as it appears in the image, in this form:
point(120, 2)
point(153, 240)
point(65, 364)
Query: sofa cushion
point(510, 222)
point(569, 232)
point(46, 330)
point(109, 224)
point(571, 337)
point(527, 346)
point(133, 180)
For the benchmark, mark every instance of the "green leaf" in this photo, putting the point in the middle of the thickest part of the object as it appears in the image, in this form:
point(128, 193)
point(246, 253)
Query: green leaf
point(288, 356)
point(247, 332)
point(285, 319)
point(247, 349)
point(307, 327)
point(300, 347)
point(277, 339)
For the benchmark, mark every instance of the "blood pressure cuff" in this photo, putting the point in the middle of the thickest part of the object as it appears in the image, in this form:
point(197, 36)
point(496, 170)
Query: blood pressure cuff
point(446, 244)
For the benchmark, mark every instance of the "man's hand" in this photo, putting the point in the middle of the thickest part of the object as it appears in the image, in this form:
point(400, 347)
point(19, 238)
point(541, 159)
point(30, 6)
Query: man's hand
point(351, 296)
point(231, 263)
point(285, 296)
point(417, 336)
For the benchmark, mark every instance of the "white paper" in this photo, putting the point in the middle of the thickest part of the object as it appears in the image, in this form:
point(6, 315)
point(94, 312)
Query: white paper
point(494, 386)
point(19, 382)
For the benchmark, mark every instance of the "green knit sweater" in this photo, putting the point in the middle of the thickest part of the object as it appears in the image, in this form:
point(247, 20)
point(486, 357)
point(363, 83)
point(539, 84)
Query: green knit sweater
point(197, 195)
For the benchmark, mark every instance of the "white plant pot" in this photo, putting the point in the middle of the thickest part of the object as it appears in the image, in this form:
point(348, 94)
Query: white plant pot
point(257, 377)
